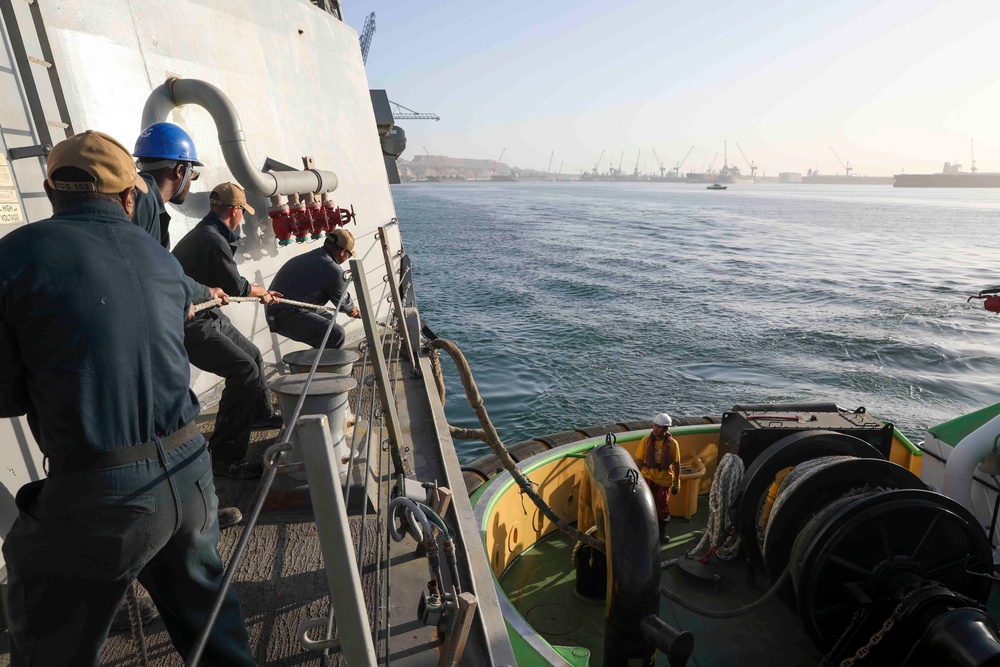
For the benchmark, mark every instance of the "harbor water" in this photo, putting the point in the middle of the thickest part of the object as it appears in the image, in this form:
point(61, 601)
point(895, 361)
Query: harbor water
point(585, 303)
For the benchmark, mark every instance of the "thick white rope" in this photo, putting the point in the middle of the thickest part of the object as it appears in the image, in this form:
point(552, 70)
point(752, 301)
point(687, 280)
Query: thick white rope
point(721, 534)
point(247, 299)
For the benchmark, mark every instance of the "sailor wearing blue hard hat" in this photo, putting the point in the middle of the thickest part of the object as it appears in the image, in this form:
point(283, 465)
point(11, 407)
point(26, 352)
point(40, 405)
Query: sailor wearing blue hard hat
point(167, 161)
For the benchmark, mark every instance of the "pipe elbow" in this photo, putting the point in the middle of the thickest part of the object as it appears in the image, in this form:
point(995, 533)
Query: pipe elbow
point(962, 462)
point(178, 92)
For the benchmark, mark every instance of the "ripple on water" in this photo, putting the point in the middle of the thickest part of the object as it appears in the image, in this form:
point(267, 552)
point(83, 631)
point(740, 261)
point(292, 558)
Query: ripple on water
point(586, 303)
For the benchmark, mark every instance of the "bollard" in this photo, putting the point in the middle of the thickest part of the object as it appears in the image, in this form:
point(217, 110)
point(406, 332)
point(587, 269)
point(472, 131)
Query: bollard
point(337, 362)
point(327, 395)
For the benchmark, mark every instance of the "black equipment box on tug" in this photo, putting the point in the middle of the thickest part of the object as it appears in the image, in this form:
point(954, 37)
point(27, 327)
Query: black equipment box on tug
point(748, 430)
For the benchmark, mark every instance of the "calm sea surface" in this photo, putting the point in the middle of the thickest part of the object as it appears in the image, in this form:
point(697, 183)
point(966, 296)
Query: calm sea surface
point(579, 304)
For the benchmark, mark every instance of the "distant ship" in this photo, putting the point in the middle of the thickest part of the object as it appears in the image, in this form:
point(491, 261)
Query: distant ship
point(951, 176)
point(815, 178)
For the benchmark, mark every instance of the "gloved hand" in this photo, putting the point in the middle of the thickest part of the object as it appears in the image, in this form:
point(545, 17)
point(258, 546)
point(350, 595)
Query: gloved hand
point(674, 490)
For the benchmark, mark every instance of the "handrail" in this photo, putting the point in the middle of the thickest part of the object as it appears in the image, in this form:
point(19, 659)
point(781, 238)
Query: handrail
point(273, 458)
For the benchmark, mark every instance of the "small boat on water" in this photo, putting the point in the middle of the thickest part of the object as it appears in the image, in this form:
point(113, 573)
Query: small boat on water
point(716, 186)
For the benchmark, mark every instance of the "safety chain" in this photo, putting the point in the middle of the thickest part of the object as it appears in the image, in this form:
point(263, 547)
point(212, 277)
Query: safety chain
point(863, 652)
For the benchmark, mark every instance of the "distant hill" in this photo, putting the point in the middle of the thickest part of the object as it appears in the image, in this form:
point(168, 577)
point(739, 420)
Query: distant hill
point(442, 167)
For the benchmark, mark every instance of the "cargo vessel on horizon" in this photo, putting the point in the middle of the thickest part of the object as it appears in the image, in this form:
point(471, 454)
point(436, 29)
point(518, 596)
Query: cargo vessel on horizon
point(951, 176)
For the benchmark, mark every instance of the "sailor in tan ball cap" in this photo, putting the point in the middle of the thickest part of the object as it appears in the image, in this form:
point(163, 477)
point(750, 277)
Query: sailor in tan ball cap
point(92, 352)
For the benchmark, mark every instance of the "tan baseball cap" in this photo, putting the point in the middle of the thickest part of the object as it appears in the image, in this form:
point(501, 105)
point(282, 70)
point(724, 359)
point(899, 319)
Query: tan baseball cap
point(343, 239)
point(230, 194)
point(99, 155)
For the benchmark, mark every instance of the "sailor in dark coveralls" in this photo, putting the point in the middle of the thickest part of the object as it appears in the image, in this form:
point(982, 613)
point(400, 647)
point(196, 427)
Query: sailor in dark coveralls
point(91, 350)
point(215, 345)
point(314, 277)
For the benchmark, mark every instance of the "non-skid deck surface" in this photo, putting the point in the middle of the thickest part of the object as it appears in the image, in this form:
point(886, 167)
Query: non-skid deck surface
point(541, 581)
point(281, 583)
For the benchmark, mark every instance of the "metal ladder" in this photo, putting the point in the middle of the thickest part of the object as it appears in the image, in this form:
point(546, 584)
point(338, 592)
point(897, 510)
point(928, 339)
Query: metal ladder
point(25, 65)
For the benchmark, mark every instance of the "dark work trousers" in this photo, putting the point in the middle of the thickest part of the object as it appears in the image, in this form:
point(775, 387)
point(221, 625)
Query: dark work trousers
point(81, 538)
point(213, 344)
point(307, 326)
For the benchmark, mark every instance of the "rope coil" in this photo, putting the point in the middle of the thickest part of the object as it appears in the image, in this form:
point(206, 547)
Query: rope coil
point(721, 535)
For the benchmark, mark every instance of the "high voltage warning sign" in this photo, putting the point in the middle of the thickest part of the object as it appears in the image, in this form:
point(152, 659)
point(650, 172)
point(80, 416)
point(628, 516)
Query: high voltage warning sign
point(10, 206)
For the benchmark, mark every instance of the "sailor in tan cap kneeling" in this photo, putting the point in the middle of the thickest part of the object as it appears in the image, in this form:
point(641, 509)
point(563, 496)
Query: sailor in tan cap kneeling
point(215, 345)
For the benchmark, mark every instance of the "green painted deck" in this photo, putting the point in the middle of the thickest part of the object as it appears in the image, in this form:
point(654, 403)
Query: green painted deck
point(540, 585)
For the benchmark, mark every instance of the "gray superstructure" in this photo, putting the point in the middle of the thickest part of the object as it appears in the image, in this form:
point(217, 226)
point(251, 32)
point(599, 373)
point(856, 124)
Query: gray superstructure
point(294, 74)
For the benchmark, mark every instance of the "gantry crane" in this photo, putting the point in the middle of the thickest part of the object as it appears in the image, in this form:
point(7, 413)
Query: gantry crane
point(620, 160)
point(751, 165)
point(660, 164)
point(549, 168)
point(635, 172)
point(679, 165)
point(846, 166)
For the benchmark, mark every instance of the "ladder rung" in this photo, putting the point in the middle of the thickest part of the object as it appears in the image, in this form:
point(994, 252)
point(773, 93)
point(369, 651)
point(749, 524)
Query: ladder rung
point(39, 61)
point(55, 123)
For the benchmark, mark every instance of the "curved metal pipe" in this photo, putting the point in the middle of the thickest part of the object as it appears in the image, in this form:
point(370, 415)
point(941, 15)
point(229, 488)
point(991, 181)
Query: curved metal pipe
point(177, 92)
point(967, 454)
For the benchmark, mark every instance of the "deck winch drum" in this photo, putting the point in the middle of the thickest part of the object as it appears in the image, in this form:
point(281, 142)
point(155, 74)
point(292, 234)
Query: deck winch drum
point(870, 548)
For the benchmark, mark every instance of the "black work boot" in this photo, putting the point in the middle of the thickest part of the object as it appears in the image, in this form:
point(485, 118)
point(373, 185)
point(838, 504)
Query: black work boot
point(229, 516)
point(664, 538)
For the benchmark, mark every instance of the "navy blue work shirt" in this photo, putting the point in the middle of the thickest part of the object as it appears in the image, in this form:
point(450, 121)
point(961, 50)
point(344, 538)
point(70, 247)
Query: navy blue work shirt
point(206, 254)
point(151, 215)
point(312, 277)
point(92, 313)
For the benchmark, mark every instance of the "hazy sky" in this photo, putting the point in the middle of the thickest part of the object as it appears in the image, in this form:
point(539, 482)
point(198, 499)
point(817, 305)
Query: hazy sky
point(890, 85)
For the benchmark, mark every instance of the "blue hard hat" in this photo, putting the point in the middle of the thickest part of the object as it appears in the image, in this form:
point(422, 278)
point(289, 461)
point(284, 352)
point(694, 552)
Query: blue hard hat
point(166, 141)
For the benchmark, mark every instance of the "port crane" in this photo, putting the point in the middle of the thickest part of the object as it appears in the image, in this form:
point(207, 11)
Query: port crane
point(846, 166)
point(711, 165)
point(549, 168)
point(750, 164)
point(662, 170)
point(399, 112)
point(498, 161)
point(366, 37)
point(679, 165)
point(620, 159)
point(635, 173)
point(972, 151)
point(597, 164)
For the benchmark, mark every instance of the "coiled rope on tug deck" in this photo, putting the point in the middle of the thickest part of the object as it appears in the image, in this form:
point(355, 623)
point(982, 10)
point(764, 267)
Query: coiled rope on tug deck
point(489, 435)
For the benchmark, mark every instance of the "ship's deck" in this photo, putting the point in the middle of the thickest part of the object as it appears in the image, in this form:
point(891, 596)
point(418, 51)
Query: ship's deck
point(281, 580)
point(540, 584)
